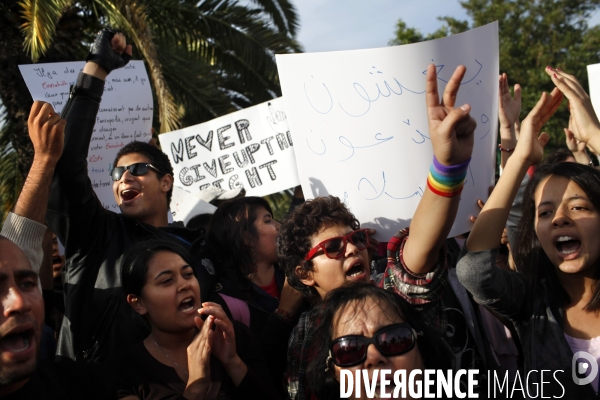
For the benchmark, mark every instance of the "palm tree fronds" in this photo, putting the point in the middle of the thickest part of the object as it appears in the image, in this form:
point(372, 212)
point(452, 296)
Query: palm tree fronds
point(39, 26)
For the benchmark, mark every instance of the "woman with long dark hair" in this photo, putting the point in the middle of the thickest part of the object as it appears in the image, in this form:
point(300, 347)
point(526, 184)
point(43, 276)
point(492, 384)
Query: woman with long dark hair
point(183, 356)
point(554, 299)
point(242, 247)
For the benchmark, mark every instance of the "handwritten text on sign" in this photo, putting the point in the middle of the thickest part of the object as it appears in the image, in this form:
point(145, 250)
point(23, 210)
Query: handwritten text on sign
point(359, 123)
point(125, 113)
point(251, 148)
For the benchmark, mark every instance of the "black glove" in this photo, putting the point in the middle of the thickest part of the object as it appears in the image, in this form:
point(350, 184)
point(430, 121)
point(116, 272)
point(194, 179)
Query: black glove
point(101, 52)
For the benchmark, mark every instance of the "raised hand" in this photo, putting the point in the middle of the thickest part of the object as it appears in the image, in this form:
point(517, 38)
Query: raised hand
point(530, 148)
point(47, 132)
point(451, 129)
point(109, 50)
point(198, 354)
point(580, 105)
point(577, 147)
point(224, 337)
point(509, 107)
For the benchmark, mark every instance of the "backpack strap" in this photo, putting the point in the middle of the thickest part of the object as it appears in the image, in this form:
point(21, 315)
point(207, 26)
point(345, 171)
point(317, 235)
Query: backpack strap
point(239, 309)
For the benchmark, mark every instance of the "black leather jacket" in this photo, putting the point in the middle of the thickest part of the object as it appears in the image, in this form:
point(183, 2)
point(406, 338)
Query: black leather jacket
point(98, 321)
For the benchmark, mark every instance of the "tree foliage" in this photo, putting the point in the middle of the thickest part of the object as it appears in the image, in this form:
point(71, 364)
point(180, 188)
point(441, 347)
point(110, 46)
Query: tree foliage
point(533, 35)
point(205, 58)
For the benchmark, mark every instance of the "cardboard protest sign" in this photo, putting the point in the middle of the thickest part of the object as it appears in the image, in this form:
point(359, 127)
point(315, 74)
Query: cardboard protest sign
point(125, 112)
point(359, 123)
point(185, 206)
point(594, 78)
point(251, 148)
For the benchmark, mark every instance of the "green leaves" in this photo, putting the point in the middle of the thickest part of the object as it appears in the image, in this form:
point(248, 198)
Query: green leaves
point(533, 35)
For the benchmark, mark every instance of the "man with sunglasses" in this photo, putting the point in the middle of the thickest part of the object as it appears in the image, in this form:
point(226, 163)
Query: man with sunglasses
point(98, 323)
point(321, 247)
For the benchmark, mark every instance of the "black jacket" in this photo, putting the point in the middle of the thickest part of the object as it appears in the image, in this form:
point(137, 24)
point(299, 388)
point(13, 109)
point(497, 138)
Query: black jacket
point(98, 321)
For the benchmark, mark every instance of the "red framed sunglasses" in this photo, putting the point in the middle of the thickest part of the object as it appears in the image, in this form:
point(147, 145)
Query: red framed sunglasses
point(335, 247)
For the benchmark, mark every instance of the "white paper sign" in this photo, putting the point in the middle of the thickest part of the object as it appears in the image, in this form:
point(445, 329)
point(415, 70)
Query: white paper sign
point(594, 79)
point(185, 206)
point(251, 148)
point(125, 112)
point(359, 123)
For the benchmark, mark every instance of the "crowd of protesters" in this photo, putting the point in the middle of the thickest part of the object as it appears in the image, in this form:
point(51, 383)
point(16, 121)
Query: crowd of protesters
point(241, 305)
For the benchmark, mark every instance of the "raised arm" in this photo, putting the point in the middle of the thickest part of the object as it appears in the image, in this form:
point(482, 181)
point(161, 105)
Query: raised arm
point(509, 109)
point(490, 223)
point(25, 226)
point(73, 205)
point(583, 114)
point(451, 131)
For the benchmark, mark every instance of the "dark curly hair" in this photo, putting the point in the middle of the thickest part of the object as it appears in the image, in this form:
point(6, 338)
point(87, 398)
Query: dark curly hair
point(157, 158)
point(530, 258)
point(296, 230)
point(324, 385)
point(231, 255)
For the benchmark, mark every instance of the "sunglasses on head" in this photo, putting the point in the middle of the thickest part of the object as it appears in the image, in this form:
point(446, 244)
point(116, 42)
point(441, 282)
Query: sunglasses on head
point(137, 169)
point(335, 247)
point(391, 340)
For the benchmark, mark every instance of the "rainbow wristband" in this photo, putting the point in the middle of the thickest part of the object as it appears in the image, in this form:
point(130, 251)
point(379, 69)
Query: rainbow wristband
point(447, 181)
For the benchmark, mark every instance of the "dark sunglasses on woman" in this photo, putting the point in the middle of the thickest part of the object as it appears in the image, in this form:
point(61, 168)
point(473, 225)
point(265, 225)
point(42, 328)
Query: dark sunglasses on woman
point(391, 340)
point(335, 247)
point(137, 169)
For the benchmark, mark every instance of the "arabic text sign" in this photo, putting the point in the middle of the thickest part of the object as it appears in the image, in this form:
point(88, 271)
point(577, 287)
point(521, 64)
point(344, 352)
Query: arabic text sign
point(359, 123)
point(251, 148)
point(125, 112)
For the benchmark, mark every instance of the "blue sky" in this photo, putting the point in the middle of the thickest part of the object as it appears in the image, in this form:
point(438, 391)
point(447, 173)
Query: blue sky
point(328, 25)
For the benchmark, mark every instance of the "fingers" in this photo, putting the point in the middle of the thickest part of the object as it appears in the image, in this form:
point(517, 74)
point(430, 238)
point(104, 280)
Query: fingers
point(431, 89)
point(570, 136)
point(454, 117)
point(129, 50)
point(35, 110)
point(517, 92)
point(453, 85)
point(118, 43)
point(199, 323)
point(503, 84)
point(567, 84)
point(543, 139)
point(213, 309)
point(465, 126)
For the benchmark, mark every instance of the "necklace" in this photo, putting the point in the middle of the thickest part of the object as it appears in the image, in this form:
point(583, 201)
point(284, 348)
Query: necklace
point(170, 359)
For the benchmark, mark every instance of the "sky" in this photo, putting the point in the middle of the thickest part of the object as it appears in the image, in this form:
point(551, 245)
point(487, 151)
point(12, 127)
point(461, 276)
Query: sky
point(328, 25)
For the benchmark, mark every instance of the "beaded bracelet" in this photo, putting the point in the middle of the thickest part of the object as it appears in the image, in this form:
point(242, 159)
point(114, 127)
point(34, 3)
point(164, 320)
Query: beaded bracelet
point(447, 181)
point(506, 150)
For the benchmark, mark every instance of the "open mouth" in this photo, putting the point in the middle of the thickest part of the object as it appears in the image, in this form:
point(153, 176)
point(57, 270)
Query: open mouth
point(356, 271)
point(17, 342)
point(129, 194)
point(567, 245)
point(56, 262)
point(187, 305)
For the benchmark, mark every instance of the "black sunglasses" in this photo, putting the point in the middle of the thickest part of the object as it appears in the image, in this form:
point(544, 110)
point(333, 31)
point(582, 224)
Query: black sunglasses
point(391, 340)
point(137, 169)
